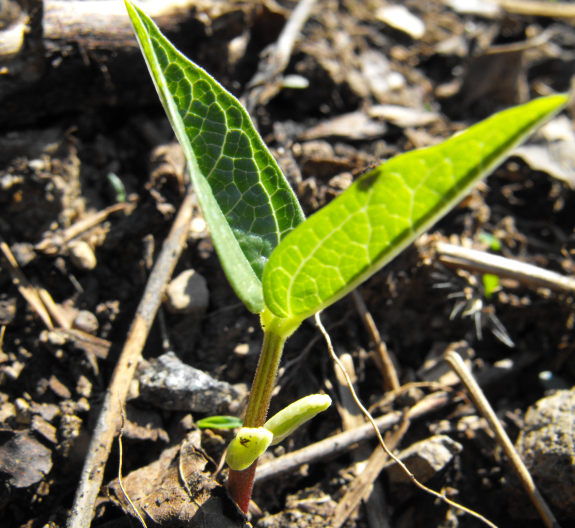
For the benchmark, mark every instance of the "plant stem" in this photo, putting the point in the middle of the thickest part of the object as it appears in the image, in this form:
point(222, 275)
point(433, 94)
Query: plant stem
point(265, 379)
point(240, 483)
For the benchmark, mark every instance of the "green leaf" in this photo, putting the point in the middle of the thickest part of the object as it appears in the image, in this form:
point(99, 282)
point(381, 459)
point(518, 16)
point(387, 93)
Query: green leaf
point(386, 209)
point(247, 202)
point(284, 423)
point(490, 284)
point(219, 422)
point(247, 446)
point(491, 240)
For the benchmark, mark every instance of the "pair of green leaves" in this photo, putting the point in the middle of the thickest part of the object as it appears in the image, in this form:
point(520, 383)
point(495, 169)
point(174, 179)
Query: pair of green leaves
point(252, 442)
point(274, 260)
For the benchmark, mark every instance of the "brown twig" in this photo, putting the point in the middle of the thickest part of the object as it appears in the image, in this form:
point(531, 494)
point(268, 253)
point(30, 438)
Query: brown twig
point(361, 487)
point(351, 418)
point(382, 358)
point(530, 7)
point(380, 438)
point(51, 306)
point(267, 81)
point(342, 442)
point(474, 260)
point(106, 427)
point(91, 345)
point(24, 287)
point(54, 242)
point(480, 401)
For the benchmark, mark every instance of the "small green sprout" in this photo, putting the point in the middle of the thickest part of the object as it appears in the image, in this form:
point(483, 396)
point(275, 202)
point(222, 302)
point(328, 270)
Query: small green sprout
point(287, 268)
point(250, 443)
point(220, 422)
point(490, 284)
point(118, 186)
point(287, 421)
point(491, 240)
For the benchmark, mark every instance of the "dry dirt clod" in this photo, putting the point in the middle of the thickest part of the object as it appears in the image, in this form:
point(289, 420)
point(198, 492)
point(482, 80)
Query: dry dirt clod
point(424, 459)
point(547, 446)
point(59, 388)
point(43, 428)
point(187, 293)
point(23, 459)
point(144, 424)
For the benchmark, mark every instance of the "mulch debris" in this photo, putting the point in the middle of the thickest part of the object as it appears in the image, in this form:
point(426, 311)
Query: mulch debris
point(89, 190)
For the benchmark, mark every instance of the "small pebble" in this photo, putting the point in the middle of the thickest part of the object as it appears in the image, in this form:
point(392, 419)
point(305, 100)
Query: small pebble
point(37, 165)
point(45, 429)
point(59, 388)
point(424, 459)
point(242, 349)
point(23, 253)
point(84, 387)
point(23, 413)
point(82, 255)
point(398, 17)
point(170, 384)
point(187, 293)
point(86, 321)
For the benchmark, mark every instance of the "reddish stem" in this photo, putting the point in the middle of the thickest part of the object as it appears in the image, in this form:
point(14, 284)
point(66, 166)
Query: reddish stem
point(240, 483)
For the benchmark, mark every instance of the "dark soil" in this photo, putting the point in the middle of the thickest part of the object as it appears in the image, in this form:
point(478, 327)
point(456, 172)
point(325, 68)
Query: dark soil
point(54, 172)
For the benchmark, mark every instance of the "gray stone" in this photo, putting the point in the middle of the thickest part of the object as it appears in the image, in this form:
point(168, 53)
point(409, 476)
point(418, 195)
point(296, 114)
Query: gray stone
point(547, 447)
point(187, 293)
point(424, 459)
point(172, 385)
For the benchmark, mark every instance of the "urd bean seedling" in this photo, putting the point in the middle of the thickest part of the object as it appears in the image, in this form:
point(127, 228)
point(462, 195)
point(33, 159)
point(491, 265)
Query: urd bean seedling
point(287, 269)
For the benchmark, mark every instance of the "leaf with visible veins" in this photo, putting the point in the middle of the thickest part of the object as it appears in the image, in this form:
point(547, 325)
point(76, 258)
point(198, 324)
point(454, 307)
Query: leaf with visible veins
point(347, 241)
point(246, 200)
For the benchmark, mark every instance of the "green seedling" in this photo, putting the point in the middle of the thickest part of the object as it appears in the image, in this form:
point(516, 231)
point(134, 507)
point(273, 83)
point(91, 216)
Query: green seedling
point(220, 422)
point(293, 416)
point(118, 186)
point(491, 240)
point(251, 443)
point(490, 284)
point(282, 267)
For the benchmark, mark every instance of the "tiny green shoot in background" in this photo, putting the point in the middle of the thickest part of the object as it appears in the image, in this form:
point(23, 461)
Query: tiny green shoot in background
point(490, 284)
point(220, 422)
point(283, 267)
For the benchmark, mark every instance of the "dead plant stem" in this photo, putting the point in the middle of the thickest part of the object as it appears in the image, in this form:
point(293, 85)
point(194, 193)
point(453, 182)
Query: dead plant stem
point(382, 357)
point(528, 274)
point(480, 401)
point(107, 424)
point(120, 457)
point(379, 437)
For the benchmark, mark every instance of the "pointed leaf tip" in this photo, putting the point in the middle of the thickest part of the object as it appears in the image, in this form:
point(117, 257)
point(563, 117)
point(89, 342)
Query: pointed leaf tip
point(246, 200)
point(350, 239)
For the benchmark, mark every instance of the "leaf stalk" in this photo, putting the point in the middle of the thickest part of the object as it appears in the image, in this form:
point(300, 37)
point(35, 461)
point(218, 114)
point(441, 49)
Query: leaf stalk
point(276, 332)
